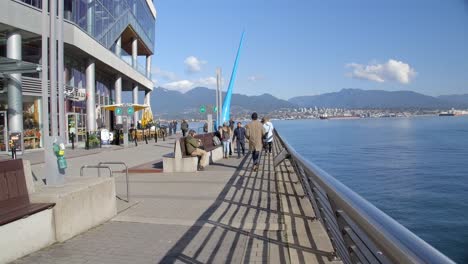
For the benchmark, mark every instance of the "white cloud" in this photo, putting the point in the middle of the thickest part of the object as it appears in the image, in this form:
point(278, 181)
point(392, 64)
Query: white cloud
point(162, 74)
point(186, 85)
point(392, 70)
point(208, 82)
point(181, 86)
point(255, 78)
point(193, 64)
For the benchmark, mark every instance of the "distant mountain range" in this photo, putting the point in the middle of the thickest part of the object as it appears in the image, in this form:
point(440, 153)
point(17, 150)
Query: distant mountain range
point(357, 98)
point(174, 104)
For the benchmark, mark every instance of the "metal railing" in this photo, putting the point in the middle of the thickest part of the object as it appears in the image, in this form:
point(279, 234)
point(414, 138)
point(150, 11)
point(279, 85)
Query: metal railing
point(95, 167)
point(359, 231)
point(126, 175)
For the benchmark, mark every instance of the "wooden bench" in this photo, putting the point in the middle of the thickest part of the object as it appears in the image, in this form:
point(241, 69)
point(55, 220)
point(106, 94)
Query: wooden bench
point(180, 161)
point(14, 197)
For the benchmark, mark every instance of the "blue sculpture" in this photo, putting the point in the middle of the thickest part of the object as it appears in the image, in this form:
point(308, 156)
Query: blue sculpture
point(225, 114)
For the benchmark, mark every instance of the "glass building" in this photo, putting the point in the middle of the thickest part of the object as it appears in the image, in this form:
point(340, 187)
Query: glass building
point(108, 46)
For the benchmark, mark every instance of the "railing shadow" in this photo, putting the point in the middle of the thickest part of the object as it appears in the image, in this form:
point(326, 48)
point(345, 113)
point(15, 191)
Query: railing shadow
point(246, 222)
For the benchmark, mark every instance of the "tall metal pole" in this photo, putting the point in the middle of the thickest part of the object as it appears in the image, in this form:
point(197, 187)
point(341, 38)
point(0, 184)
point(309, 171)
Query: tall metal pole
point(51, 166)
point(45, 75)
point(217, 95)
point(60, 70)
point(220, 94)
point(53, 69)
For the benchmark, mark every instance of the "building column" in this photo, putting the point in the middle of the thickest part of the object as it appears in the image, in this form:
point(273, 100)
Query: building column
point(147, 97)
point(118, 97)
point(90, 17)
point(148, 67)
point(135, 101)
point(91, 96)
point(134, 52)
point(15, 89)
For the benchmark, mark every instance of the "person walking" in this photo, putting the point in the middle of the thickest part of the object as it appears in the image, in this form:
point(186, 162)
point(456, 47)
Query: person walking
point(184, 126)
point(239, 138)
point(192, 145)
point(268, 138)
point(254, 132)
point(231, 126)
point(174, 127)
point(170, 127)
point(226, 139)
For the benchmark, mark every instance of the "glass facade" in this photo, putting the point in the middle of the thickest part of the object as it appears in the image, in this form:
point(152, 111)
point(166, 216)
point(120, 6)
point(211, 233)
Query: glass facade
point(105, 20)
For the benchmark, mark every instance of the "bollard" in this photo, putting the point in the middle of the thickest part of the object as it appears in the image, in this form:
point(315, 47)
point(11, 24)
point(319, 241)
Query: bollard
point(87, 140)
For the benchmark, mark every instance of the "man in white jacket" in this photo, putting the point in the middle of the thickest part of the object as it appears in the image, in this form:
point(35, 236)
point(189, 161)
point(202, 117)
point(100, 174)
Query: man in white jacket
point(268, 127)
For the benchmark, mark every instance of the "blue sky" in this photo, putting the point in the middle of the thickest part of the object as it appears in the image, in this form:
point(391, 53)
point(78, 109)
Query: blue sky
point(307, 47)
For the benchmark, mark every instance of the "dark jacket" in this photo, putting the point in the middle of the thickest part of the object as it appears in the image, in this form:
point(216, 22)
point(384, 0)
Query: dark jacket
point(184, 126)
point(239, 134)
point(217, 134)
point(191, 144)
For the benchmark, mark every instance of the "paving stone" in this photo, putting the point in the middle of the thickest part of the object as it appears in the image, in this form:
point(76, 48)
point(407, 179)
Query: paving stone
point(222, 215)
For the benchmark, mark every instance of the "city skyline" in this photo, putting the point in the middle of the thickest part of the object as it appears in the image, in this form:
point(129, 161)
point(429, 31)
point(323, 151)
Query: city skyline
point(313, 48)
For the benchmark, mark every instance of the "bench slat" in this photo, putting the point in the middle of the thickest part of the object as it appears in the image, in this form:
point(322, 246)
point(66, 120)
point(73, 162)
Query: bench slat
point(23, 212)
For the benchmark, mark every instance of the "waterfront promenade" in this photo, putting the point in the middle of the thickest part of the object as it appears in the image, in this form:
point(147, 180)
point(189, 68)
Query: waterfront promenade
point(225, 214)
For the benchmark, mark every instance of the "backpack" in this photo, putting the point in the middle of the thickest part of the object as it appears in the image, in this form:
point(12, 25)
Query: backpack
point(226, 135)
point(216, 141)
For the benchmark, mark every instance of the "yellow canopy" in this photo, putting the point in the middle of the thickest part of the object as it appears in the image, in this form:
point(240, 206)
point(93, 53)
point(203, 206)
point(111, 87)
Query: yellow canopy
point(136, 107)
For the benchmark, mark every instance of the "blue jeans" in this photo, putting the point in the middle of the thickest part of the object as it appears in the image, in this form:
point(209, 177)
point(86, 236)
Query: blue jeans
point(255, 156)
point(226, 145)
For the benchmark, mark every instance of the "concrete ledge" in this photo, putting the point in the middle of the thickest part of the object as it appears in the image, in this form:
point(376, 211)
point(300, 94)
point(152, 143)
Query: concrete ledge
point(80, 204)
point(216, 154)
point(27, 235)
point(172, 164)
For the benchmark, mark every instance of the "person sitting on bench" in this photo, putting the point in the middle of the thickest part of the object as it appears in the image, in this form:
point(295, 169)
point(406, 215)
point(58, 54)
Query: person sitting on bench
point(192, 145)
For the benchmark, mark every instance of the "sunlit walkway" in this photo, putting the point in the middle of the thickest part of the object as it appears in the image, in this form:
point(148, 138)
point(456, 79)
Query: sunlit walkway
point(226, 214)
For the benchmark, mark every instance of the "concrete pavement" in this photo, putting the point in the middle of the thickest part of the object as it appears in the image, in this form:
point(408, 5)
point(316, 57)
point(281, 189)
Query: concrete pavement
point(226, 214)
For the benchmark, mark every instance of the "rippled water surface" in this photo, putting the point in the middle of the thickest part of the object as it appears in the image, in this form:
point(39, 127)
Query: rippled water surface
point(414, 169)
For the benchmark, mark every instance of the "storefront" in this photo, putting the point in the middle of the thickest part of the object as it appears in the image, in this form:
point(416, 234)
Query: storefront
point(32, 138)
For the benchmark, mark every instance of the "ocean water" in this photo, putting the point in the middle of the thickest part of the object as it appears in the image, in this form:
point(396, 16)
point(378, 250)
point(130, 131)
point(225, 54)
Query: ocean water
point(413, 169)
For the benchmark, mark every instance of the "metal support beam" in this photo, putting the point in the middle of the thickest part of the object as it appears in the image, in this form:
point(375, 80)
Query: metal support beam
point(60, 71)
point(53, 69)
